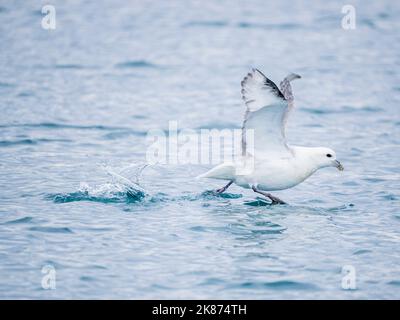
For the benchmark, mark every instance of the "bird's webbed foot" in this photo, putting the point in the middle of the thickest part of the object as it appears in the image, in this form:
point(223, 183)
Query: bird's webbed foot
point(276, 200)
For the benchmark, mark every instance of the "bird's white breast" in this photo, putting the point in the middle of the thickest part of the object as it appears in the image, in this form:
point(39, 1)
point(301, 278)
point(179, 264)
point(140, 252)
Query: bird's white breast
point(272, 173)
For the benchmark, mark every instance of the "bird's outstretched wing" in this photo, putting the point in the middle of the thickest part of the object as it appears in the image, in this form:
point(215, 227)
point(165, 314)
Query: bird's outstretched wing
point(267, 109)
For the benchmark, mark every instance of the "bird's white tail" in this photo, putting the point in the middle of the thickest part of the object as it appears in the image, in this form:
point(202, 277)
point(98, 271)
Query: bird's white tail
point(223, 172)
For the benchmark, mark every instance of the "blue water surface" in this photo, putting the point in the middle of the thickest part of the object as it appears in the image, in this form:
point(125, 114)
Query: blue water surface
point(77, 102)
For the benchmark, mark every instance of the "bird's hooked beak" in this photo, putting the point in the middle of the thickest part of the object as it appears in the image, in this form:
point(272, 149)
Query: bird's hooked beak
point(338, 165)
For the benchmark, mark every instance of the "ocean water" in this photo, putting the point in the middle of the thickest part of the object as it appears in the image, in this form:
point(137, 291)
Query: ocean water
point(77, 102)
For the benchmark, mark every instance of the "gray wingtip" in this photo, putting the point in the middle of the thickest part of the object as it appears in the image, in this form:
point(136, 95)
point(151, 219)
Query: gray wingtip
point(293, 76)
point(255, 70)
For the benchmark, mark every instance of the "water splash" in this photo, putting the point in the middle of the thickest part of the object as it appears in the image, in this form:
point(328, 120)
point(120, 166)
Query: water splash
point(119, 190)
point(105, 193)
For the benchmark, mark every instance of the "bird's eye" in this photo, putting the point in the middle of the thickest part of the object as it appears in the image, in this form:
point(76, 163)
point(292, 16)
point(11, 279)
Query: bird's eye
point(329, 155)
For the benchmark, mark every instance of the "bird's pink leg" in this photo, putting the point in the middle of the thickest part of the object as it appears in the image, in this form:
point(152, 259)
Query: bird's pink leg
point(274, 200)
point(223, 189)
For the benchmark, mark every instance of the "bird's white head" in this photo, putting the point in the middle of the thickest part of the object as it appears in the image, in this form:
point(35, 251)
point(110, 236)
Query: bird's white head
point(325, 157)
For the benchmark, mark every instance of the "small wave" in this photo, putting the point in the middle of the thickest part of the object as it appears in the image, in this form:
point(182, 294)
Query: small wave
point(278, 285)
point(266, 228)
point(9, 143)
point(135, 64)
point(64, 66)
point(317, 111)
point(87, 278)
point(68, 66)
point(211, 194)
point(341, 208)
point(20, 220)
point(218, 125)
point(212, 282)
point(389, 197)
point(369, 23)
point(24, 94)
point(343, 109)
point(123, 133)
point(206, 24)
point(374, 179)
point(51, 229)
point(206, 195)
point(350, 183)
point(278, 26)
point(351, 109)
point(258, 203)
point(53, 125)
point(361, 251)
point(6, 85)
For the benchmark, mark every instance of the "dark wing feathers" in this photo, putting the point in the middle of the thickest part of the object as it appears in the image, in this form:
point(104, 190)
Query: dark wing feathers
point(267, 110)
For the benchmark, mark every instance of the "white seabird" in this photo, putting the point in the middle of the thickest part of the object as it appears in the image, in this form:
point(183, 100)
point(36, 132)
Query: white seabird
point(275, 164)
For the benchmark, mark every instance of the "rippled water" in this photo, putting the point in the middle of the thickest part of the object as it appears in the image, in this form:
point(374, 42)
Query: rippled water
point(76, 104)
